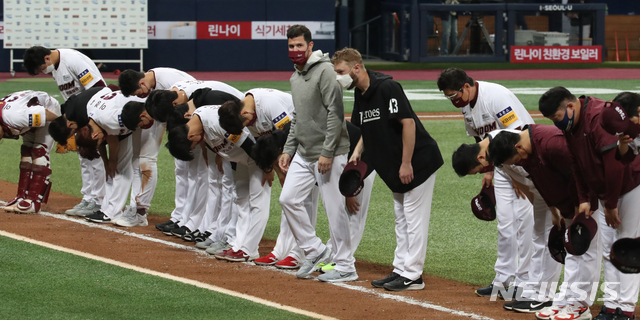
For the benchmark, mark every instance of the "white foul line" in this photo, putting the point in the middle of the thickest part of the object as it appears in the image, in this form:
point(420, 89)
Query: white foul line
point(408, 300)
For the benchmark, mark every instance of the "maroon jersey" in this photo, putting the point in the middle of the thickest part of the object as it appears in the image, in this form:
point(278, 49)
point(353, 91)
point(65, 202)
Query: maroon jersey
point(594, 151)
point(549, 167)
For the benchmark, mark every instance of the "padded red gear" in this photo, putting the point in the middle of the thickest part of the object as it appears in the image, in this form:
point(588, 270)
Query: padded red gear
point(39, 183)
point(38, 152)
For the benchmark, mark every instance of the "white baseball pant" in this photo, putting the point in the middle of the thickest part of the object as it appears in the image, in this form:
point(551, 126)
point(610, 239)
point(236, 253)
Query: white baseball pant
point(515, 228)
point(253, 200)
point(182, 190)
point(286, 245)
point(196, 204)
point(93, 179)
point(582, 273)
point(301, 179)
point(625, 285)
point(117, 189)
point(413, 212)
point(145, 167)
point(220, 199)
point(358, 221)
point(544, 272)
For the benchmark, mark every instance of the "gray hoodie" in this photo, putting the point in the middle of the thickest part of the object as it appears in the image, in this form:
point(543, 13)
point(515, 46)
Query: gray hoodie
point(318, 127)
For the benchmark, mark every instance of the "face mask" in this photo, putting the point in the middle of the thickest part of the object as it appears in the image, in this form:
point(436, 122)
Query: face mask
point(253, 119)
point(145, 94)
point(459, 102)
point(486, 169)
point(566, 123)
point(298, 57)
point(49, 69)
point(148, 125)
point(344, 80)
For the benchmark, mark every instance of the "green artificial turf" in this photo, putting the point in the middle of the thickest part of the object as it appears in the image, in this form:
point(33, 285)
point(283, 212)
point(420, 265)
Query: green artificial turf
point(40, 283)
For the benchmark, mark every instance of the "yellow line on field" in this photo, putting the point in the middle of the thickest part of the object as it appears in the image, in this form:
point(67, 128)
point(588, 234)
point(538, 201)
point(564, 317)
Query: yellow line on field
point(167, 276)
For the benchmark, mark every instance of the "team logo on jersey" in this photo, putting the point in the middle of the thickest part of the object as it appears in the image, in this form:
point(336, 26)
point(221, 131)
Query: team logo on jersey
point(34, 120)
point(66, 78)
point(507, 116)
point(281, 120)
point(85, 77)
point(233, 137)
point(369, 115)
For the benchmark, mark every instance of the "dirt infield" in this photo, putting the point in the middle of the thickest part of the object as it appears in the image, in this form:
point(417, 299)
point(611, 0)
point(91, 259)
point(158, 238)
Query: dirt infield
point(266, 283)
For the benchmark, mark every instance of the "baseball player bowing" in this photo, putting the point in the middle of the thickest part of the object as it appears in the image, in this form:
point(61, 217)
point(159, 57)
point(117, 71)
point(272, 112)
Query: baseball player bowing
point(261, 111)
point(614, 183)
point(542, 151)
point(145, 180)
point(253, 196)
point(622, 120)
point(217, 225)
point(402, 152)
point(161, 105)
point(27, 114)
point(105, 124)
point(486, 107)
point(471, 159)
point(74, 73)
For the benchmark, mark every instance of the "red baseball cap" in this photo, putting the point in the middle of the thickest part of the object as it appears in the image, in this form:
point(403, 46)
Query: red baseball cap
point(577, 237)
point(352, 179)
point(625, 255)
point(615, 121)
point(556, 243)
point(483, 205)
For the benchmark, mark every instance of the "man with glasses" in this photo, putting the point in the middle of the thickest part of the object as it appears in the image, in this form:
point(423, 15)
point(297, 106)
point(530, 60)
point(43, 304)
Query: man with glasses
point(487, 107)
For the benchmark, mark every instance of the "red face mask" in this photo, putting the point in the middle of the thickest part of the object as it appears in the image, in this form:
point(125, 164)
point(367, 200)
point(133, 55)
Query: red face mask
point(253, 120)
point(486, 169)
point(144, 95)
point(298, 57)
point(459, 103)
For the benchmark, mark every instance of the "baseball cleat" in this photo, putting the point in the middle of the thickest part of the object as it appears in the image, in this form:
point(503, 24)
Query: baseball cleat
point(530, 306)
point(380, 282)
point(98, 217)
point(288, 263)
point(267, 260)
point(204, 244)
point(402, 284)
point(338, 276)
point(180, 231)
point(573, 312)
point(309, 266)
point(548, 312)
point(218, 247)
point(83, 204)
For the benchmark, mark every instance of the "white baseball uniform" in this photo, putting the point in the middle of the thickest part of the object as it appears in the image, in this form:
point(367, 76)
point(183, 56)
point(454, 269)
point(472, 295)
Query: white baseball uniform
point(498, 108)
point(105, 108)
point(76, 73)
point(25, 110)
point(222, 212)
point(196, 205)
point(253, 198)
point(544, 271)
point(145, 179)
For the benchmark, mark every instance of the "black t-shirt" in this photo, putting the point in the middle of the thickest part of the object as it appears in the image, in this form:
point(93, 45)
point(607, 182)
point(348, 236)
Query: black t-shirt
point(208, 97)
point(75, 108)
point(378, 113)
